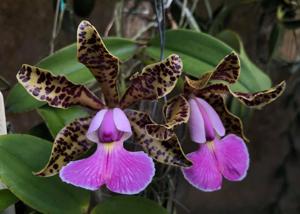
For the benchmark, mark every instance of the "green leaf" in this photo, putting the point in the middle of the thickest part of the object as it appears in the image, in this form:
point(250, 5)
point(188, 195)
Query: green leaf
point(6, 199)
point(128, 205)
point(201, 52)
point(64, 62)
point(23, 154)
point(56, 119)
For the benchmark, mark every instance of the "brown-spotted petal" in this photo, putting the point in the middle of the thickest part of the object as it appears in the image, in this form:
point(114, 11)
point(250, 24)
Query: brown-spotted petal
point(159, 131)
point(70, 143)
point(191, 84)
point(176, 111)
point(57, 91)
point(232, 123)
point(261, 98)
point(228, 69)
point(164, 151)
point(92, 52)
point(214, 88)
point(155, 81)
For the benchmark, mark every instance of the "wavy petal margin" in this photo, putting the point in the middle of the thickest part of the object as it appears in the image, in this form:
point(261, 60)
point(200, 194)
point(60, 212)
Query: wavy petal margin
point(57, 91)
point(191, 84)
point(253, 100)
point(261, 98)
point(166, 151)
point(176, 111)
point(232, 123)
point(70, 143)
point(92, 52)
point(155, 81)
point(228, 69)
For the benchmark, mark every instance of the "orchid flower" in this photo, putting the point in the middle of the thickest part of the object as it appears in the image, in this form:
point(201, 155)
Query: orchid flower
point(111, 164)
point(222, 151)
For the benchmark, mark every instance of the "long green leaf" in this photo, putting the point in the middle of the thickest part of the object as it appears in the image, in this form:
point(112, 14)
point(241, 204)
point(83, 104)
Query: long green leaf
point(128, 205)
point(23, 154)
point(64, 61)
point(6, 199)
point(201, 53)
point(56, 119)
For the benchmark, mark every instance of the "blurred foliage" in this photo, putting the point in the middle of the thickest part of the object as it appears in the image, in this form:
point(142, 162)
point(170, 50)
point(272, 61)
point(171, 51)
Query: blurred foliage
point(7, 198)
point(128, 205)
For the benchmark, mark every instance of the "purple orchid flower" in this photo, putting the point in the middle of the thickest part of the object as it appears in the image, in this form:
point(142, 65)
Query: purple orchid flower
point(120, 170)
point(218, 155)
point(111, 164)
point(222, 150)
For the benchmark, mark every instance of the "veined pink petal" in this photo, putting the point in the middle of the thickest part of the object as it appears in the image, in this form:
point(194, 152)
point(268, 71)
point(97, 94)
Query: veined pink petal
point(92, 134)
point(122, 171)
point(122, 123)
point(131, 173)
point(214, 120)
point(204, 174)
point(196, 123)
point(87, 173)
point(233, 157)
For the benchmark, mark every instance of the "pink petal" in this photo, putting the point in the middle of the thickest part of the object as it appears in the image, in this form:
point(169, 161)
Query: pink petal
point(196, 123)
point(86, 173)
point(213, 116)
point(132, 172)
point(233, 157)
point(92, 134)
point(122, 171)
point(204, 174)
point(108, 131)
point(121, 122)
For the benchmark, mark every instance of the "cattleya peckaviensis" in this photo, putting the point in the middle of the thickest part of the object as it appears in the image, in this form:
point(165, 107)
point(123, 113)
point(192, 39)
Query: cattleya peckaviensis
point(113, 123)
point(222, 150)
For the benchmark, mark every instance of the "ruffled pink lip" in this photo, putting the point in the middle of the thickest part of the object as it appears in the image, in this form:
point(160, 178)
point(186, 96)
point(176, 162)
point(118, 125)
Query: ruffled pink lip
point(228, 158)
point(111, 165)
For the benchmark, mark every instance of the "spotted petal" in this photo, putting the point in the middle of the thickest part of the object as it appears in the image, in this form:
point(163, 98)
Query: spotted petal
point(159, 131)
point(228, 69)
point(57, 91)
point(191, 84)
point(232, 123)
point(155, 81)
point(176, 111)
point(70, 143)
point(165, 151)
point(262, 98)
point(92, 52)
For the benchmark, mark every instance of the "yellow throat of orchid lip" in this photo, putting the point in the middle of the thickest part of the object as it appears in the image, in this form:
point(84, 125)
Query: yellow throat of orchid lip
point(211, 145)
point(109, 146)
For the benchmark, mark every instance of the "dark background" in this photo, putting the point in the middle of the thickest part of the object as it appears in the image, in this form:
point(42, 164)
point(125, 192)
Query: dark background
point(273, 181)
